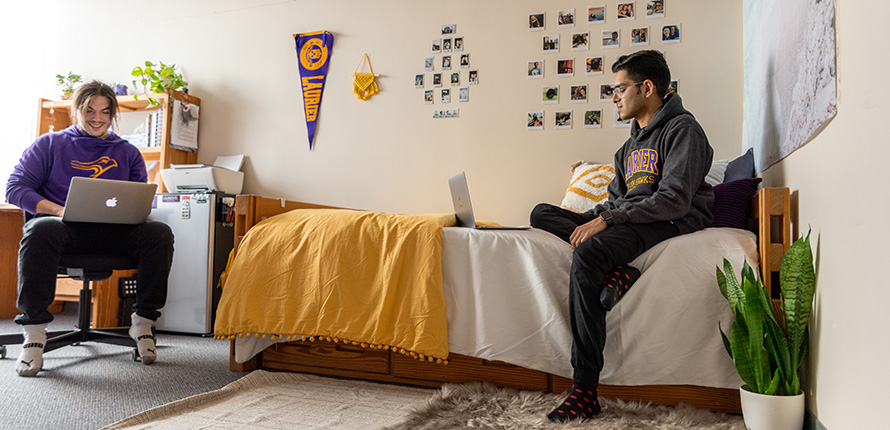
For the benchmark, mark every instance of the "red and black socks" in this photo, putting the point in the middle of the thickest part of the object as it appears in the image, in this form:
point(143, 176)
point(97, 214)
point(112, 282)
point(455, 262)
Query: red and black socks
point(581, 404)
point(616, 284)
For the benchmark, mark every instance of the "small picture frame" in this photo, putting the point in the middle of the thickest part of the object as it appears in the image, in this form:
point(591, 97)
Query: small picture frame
point(593, 66)
point(428, 64)
point(565, 67)
point(458, 44)
point(581, 41)
point(578, 94)
point(550, 94)
point(437, 80)
point(455, 79)
point(446, 62)
point(596, 14)
point(536, 69)
point(593, 118)
point(551, 43)
point(565, 18)
point(449, 29)
point(436, 46)
point(674, 86)
point(463, 94)
point(464, 61)
point(474, 77)
point(654, 9)
point(446, 95)
point(626, 11)
point(621, 123)
point(535, 121)
point(446, 44)
point(418, 81)
point(562, 120)
point(606, 91)
point(611, 39)
point(670, 33)
point(428, 97)
point(639, 36)
point(536, 21)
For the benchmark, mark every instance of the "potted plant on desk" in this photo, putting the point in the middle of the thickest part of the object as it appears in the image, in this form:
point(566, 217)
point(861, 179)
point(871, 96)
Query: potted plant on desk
point(768, 353)
point(67, 82)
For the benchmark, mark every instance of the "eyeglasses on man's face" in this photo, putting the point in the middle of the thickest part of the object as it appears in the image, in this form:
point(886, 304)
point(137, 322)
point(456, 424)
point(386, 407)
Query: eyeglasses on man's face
point(619, 90)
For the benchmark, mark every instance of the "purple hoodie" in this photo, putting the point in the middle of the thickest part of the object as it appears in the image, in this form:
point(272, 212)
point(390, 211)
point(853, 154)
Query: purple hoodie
point(47, 166)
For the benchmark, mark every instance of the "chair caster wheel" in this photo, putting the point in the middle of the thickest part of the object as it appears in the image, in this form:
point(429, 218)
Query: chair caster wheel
point(2, 352)
point(135, 354)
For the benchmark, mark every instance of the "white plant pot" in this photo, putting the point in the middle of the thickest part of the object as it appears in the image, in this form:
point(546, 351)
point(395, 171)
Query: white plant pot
point(762, 412)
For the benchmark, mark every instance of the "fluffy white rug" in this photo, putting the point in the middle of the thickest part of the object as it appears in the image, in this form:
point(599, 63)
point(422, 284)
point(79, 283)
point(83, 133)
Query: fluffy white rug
point(484, 406)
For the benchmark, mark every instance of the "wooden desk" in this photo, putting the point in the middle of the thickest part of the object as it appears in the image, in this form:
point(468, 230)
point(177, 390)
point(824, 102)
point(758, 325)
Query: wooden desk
point(11, 222)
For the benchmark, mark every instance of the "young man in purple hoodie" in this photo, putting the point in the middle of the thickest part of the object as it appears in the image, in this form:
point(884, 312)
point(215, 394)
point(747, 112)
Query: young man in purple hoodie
point(658, 192)
point(39, 185)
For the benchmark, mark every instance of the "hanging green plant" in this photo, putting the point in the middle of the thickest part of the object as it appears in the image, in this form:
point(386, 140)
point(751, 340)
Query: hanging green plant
point(155, 78)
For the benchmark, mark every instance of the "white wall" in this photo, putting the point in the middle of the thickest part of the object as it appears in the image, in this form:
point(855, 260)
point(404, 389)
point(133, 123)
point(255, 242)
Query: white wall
point(385, 154)
point(839, 182)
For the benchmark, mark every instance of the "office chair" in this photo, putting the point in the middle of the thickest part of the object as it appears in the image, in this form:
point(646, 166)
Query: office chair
point(85, 268)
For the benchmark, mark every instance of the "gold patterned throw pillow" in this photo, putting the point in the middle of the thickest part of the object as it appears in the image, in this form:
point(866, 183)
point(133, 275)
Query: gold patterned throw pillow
point(589, 186)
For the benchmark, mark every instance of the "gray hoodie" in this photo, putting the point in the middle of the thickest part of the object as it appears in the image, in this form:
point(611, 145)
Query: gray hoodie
point(660, 171)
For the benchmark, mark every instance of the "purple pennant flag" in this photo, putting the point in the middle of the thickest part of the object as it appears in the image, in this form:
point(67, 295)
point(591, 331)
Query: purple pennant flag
point(313, 52)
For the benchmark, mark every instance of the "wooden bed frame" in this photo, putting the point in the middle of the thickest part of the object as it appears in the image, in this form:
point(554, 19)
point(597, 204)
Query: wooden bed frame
point(771, 213)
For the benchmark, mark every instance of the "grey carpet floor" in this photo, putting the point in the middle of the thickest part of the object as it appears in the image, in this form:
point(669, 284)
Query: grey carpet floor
point(93, 385)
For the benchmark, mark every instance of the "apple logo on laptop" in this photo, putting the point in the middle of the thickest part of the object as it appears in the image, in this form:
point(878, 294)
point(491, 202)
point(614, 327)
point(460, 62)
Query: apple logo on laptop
point(112, 202)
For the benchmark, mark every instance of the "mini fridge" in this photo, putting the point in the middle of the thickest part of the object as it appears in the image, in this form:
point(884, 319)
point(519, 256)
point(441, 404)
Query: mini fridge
point(203, 230)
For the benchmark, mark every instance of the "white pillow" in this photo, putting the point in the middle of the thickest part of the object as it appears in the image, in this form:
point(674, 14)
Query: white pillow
point(589, 186)
point(715, 175)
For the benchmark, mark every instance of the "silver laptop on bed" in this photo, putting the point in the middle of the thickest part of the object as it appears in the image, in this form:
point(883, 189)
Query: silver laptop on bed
point(460, 196)
point(107, 201)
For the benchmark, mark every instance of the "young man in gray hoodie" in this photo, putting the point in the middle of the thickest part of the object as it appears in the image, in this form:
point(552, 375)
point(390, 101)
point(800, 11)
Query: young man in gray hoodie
point(658, 193)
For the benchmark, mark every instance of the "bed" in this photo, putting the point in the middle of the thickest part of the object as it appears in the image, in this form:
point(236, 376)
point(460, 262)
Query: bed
point(507, 310)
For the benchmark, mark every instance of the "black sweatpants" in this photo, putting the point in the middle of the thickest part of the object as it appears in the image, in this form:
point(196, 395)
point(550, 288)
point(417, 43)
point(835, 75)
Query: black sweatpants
point(591, 260)
point(46, 238)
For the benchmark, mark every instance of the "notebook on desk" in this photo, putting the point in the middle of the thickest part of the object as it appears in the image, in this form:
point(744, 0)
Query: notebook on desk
point(107, 201)
point(463, 209)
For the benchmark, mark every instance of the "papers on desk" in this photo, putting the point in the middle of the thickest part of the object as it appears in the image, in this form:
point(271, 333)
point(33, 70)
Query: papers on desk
point(223, 175)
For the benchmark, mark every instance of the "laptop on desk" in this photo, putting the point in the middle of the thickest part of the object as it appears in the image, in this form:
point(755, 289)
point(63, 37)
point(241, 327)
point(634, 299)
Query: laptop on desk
point(107, 201)
point(463, 209)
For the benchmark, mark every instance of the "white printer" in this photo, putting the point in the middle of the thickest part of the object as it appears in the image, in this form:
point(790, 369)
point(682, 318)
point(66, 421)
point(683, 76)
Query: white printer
point(224, 175)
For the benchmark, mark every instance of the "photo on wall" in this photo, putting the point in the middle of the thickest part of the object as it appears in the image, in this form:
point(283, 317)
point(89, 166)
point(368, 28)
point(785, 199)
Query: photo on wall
point(606, 93)
point(550, 94)
point(565, 67)
point(620, 123)
point(565, 18)
point(594, 66)
point(535, 121)
point(563, 119)
point(428, 64)
point(446, 95)
point(536, 21)
point(639, 36)
point(551, 43)
point(474, 77)
point(428, 97)
point(536, 69)
point(593, 118)
point(437, 46)
point(437, 80)
point(458, 44)
point(446, 44)
point(596, 14)
point(670, 33)
point(654, 9)
point(446, 62)
point(626, 11)
point(465, 61)
point(674, 87)
point(578, 94)
point(611, 39)
point(418, 81)
point(581, 41)
point(463, 94)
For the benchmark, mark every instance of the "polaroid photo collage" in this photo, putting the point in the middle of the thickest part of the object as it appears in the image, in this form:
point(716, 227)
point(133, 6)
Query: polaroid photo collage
point(450, 69)
point(593, 65)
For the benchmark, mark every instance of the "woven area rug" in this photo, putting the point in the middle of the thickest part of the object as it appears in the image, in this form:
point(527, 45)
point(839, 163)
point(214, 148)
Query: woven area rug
point(484, 406)
point(267, 400)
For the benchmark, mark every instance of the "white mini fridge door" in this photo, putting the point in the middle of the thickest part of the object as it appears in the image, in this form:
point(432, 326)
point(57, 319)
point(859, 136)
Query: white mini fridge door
point(189, 294)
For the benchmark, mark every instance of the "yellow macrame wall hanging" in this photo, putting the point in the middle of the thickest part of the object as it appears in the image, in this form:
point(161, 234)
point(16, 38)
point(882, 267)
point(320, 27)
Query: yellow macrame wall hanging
point(363, 86)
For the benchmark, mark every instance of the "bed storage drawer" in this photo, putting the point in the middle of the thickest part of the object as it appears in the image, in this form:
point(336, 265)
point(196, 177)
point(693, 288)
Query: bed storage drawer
point(461, 368)
point(301, 356)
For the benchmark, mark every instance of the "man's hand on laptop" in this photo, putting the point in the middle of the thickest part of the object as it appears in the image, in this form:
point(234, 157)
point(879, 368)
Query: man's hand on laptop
point(48, 207)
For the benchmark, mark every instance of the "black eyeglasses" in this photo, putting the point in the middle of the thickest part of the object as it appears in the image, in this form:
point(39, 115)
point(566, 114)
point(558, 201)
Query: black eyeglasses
point(619, 90)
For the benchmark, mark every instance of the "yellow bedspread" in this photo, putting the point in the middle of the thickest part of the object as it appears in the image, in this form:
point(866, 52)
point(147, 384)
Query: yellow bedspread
point(361, 277)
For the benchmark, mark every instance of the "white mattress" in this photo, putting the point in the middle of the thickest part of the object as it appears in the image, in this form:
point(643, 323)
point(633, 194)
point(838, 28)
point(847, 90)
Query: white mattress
point(506, 295)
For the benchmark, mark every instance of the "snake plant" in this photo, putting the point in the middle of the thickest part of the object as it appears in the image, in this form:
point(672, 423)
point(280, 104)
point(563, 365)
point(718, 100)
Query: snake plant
point(766, 353)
